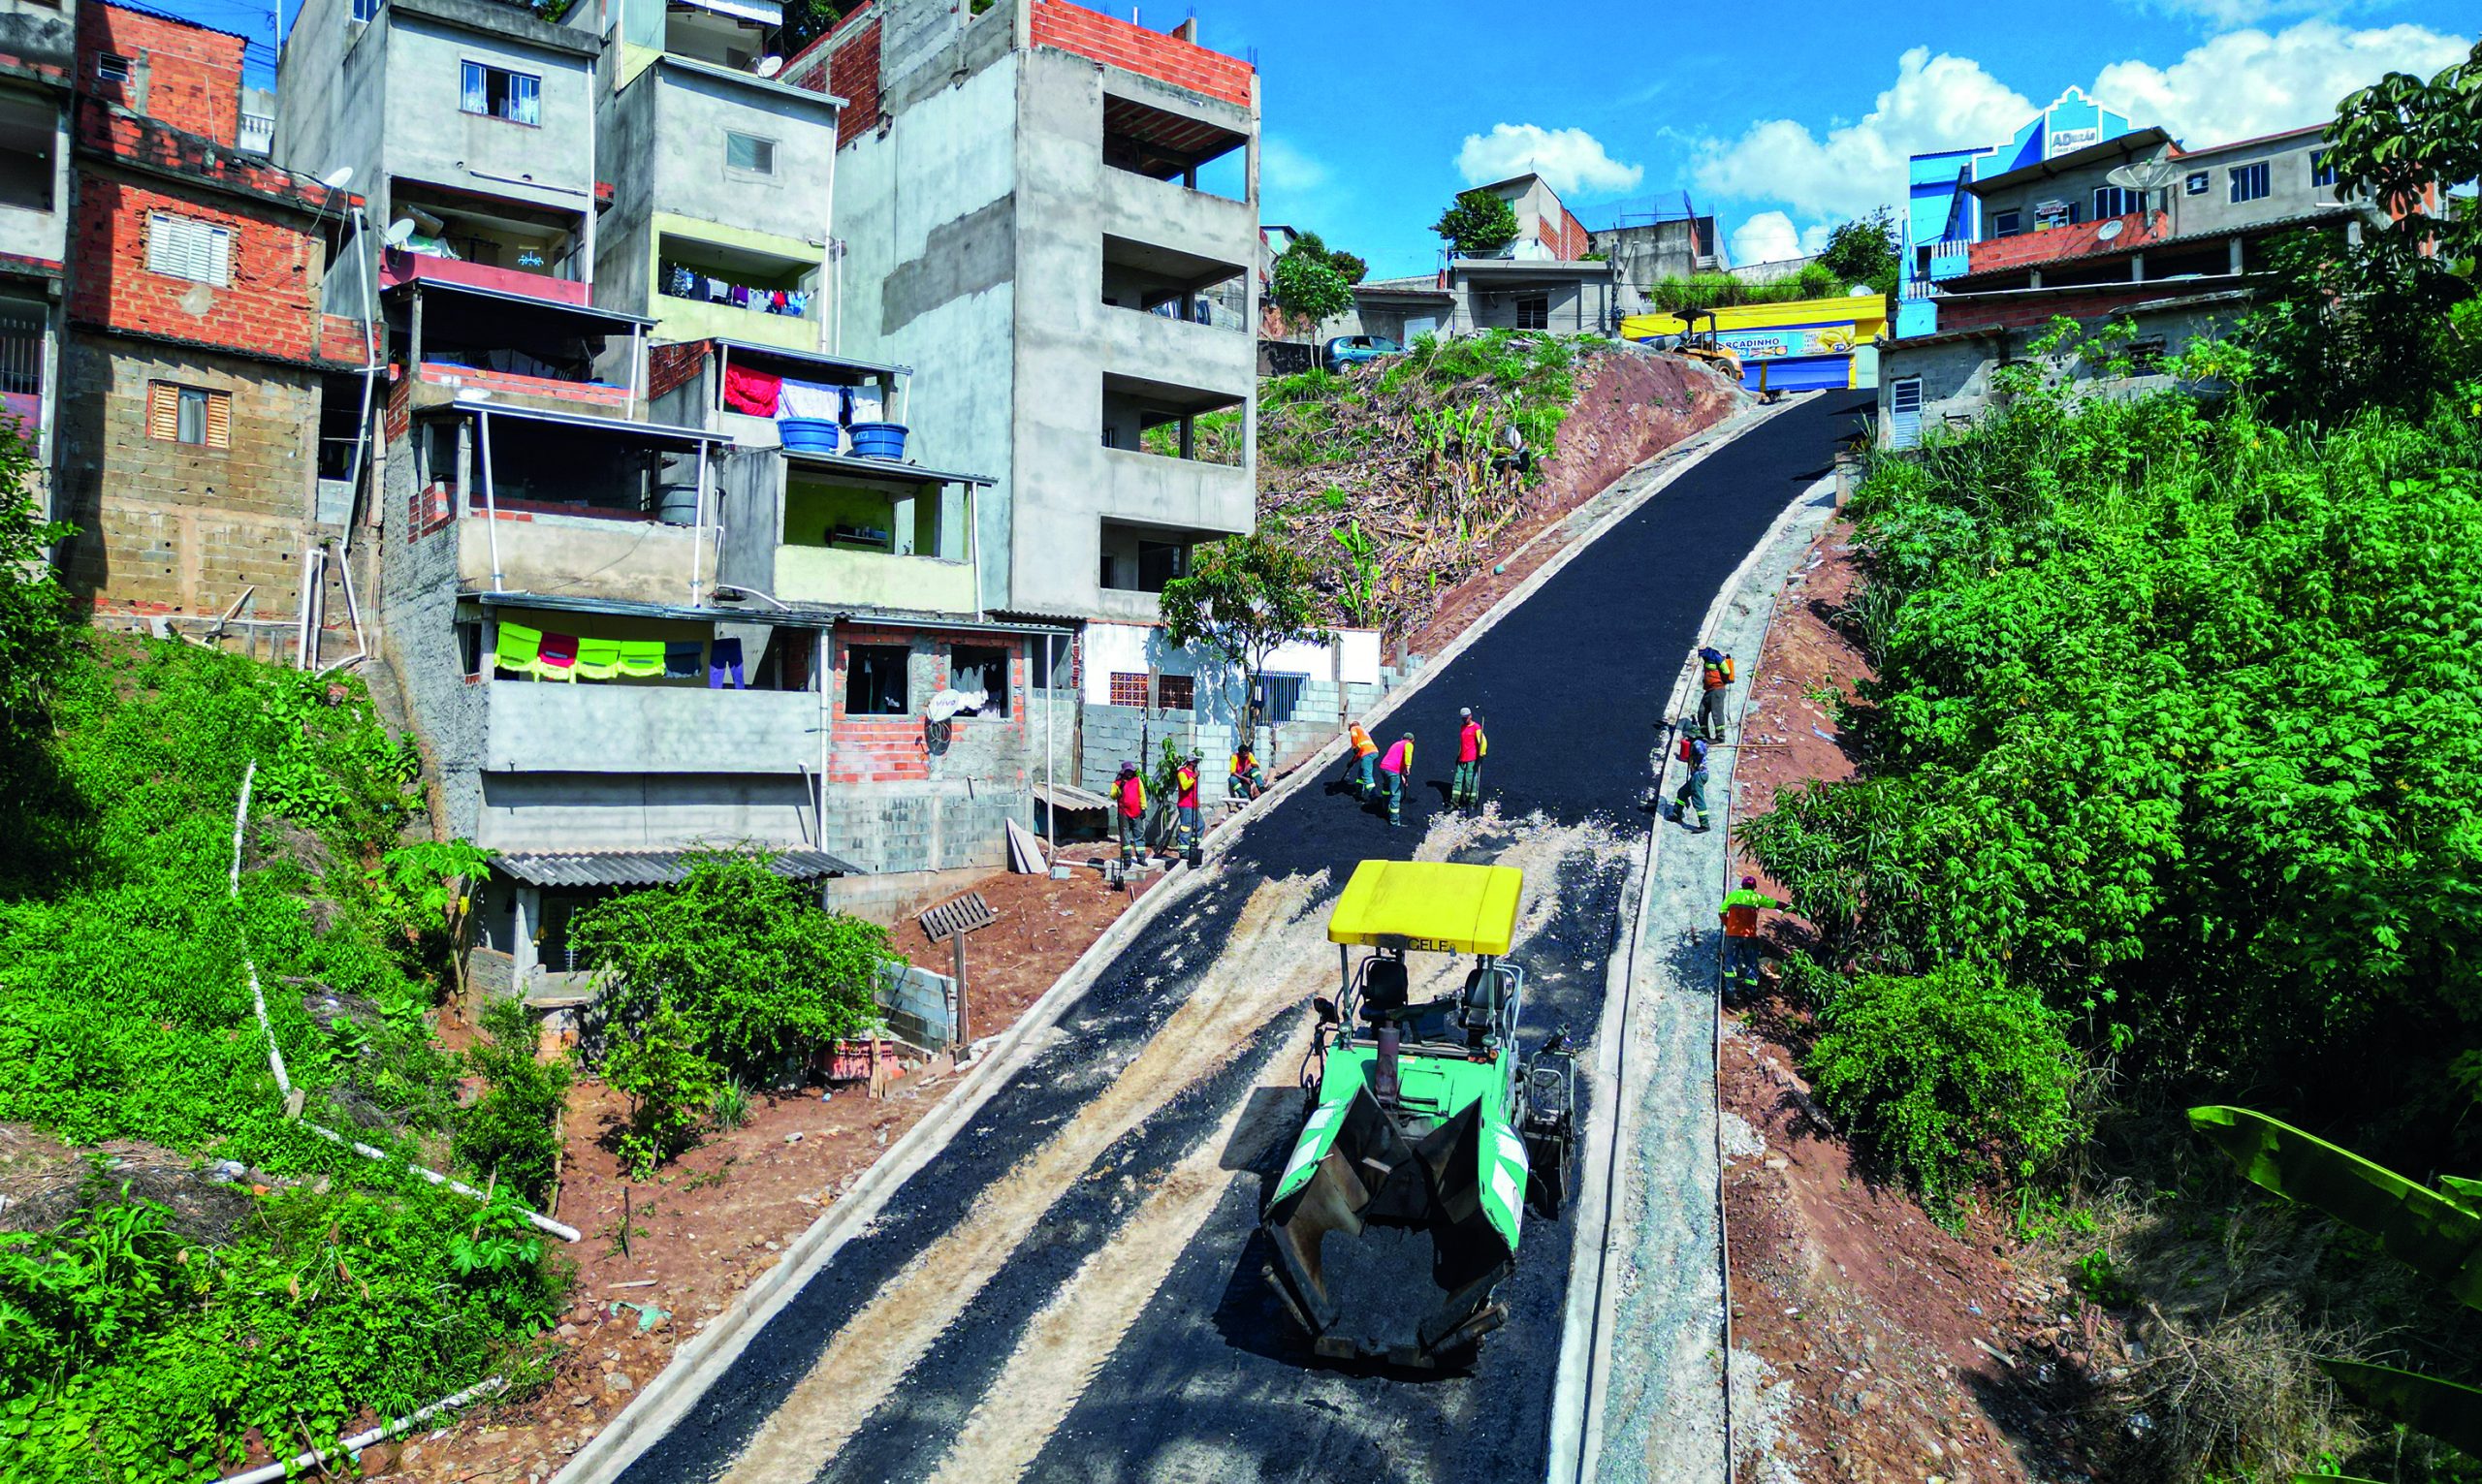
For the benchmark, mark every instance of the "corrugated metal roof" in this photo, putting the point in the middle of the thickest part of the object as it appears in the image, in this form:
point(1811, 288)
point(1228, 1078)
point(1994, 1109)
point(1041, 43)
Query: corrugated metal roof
point(649, 868)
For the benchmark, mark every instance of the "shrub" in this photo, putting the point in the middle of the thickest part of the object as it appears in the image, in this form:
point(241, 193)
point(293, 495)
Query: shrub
point(752, 970)
point(1946, 1075)
point(511, 1130)
point(672, 1089)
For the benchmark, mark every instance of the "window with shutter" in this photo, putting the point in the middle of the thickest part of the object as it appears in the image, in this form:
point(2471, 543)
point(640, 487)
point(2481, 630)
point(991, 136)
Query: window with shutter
point(192, 415)
point(219, 420)
point(179, 247)
point(163, 411)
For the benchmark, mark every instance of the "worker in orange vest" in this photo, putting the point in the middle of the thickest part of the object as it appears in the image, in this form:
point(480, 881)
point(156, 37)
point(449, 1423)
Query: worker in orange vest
point(1129, 791)
point(1739, 913)
point(1360, 767)
point(1715, 675)
point(1398, 762)
point(1186, 802)
point(1465, 788)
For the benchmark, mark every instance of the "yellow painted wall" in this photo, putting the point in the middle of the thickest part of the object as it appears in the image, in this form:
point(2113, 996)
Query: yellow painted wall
point(1869, 313)
point(689, 319)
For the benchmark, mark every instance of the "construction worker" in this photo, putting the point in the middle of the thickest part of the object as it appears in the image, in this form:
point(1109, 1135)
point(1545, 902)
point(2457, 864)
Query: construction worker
point(1364, 759)
point(1128, 792)
point(1692, 793)
point(1466, 787)
point(1739, 913)
point(1185, 800)
point(1398, 762)
point(1247, 780)
point(1715, 675)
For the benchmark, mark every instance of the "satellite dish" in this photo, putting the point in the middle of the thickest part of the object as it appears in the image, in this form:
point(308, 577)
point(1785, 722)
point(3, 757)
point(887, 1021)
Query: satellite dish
point(2146, 177)
point(769, 66)
point(338, 178)
point(399, 232)
point(2108, 231)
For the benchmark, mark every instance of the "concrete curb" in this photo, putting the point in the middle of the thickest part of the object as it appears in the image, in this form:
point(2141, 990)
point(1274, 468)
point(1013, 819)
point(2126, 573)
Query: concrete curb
point(1581, 1381)
point(695, 1366)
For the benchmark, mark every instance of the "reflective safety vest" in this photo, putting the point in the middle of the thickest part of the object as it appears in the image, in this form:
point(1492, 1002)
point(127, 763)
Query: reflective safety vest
point(1718, 672)
point(1739, 912)
point(1188, 779)
point(1399, 758)
point(1472, 746)
point(1363, 746)
point(1132, 792)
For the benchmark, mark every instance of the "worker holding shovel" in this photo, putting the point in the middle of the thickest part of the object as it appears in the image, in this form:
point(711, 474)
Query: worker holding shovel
point(1465, 788)
point(1128, 792)
point(1364, 759)
point(1184, 800)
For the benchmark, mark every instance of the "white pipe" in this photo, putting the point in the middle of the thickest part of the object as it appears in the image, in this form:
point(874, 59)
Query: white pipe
point(1051, 812)
point(352, 611)
point(302, 620)
point(267, 1473)
point(826, 722)
point(490, 495)
point(370, 373)
point(284, 1083)
point(698, 529)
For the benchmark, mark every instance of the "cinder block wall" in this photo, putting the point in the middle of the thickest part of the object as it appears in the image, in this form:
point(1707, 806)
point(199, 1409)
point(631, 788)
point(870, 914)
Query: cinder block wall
point(1114, 734)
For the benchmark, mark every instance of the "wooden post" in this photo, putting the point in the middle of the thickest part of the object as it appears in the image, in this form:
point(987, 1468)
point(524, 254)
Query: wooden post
point(956, 940)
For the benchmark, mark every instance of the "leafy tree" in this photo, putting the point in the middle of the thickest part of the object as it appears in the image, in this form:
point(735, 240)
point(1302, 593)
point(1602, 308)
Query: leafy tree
point(1308, 285)
point(34, 608)
point(1245, 597)
point(2403, 143)
point(749, 967)
point(656, 1062)
point(1864, 251)
point(1478, 224)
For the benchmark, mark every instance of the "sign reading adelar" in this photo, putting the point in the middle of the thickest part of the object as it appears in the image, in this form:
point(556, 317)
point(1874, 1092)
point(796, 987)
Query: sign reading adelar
point(2064, 140)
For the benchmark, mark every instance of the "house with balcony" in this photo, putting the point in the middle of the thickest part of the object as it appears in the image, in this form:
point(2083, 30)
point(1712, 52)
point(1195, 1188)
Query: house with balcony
point(1042, 200)
point(38, 58)
point(468, 126)
point(833, 505)
point(725, 175)
point(2081, 234)
point(201, 369)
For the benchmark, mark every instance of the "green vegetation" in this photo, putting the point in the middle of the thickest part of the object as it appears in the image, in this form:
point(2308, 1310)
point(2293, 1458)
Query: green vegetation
point(1864, 252)
point(2167, 795)
point(731, 978)
point(146, 1339)
point(1245, 597)
point(1478, 224)
point(1723, 290)
point(1311, 283)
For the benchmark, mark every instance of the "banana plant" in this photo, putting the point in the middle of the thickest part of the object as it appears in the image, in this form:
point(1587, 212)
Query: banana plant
point(2438, 1235)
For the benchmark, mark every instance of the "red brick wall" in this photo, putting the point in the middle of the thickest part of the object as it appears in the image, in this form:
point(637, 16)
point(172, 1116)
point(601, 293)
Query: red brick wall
point(890, 749)
point(1102, 38)
point(670, 367)
point(853, 75)
point(2025, 310)
point(184, 76)
point(267, 308)
point(589, 393)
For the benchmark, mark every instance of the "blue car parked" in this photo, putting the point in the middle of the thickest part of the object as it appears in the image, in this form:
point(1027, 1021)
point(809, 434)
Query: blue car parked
point(1352, 350)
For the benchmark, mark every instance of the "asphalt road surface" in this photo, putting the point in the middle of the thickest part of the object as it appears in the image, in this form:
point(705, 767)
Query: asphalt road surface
point(1070, 1290)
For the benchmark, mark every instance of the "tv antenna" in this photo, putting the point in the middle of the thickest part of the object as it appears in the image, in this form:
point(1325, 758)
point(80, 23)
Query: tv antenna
point(2145, 177)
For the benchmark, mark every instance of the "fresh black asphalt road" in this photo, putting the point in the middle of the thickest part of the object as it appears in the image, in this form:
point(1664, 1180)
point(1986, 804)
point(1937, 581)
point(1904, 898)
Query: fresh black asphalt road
point(1572, 682)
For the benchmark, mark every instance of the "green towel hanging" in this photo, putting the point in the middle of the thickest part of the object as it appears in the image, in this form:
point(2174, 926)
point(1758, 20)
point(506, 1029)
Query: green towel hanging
point(599, 659)
point(641, 659)
point(517, 647)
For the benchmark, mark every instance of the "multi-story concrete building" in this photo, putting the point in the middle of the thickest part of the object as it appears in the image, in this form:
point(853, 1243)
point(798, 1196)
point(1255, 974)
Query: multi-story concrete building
point(201, 367)
point(469, 127)
point(2080, 234)
point(723, 177)
point(1031, 198)
point(1542, 280)
point(38, 55)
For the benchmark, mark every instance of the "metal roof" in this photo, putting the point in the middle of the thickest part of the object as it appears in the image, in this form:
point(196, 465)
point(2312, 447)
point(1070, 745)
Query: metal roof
point(2116, 248)
point(1070, 797)
point(884, 468)
point(528, 301)
point(2133, 143)
point(808, 357)
point(641, 433)
point(780, 618)
point(650, 868)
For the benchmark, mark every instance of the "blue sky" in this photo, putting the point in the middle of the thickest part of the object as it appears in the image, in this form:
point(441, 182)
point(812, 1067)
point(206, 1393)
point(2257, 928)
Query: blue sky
point(1781, 121)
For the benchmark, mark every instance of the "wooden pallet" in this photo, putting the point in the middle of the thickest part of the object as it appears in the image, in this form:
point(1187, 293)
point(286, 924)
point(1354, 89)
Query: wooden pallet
point(967, 913)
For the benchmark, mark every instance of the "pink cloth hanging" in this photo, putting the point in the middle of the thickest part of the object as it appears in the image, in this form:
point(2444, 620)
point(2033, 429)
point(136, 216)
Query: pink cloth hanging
point(560, 652)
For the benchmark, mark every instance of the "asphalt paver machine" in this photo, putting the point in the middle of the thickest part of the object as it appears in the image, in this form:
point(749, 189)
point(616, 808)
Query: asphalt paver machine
point(1427, 1135)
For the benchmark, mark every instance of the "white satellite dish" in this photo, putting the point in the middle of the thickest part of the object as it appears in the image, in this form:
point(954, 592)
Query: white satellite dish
point(399, 232)
point(338, 178)
point(2146, 176)
point(769, 66)
point(2108, 231)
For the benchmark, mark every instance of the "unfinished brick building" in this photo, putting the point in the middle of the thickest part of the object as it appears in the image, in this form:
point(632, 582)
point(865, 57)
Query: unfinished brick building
point(204, 383)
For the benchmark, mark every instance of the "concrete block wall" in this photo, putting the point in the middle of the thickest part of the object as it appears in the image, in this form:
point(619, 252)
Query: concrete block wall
point(1113, 734)
point(168, 527)
point(926, 825)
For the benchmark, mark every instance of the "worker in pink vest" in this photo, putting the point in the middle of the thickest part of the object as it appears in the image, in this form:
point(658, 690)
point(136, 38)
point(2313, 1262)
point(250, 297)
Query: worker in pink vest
point(1128, 792)
point(1398, 762)
point(1465, 789)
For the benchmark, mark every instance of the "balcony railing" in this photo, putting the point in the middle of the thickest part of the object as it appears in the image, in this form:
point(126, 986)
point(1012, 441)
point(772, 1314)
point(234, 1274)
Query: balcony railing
point(1185, 493)
point(631, 558)
point(1158, 348)
point(1165, 213)
point(837, 576)
point(398, 266)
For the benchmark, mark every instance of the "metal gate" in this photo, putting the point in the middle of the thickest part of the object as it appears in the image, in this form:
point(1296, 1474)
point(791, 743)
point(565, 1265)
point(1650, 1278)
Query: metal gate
point(1904, 412)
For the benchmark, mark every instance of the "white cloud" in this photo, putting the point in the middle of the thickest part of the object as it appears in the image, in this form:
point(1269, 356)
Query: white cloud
point(1937, 102)
point(2233, 86)
point(1285, 167)
point(1814, 237)
point(1573, 160)
point(1767, 238)
point(2251, 82)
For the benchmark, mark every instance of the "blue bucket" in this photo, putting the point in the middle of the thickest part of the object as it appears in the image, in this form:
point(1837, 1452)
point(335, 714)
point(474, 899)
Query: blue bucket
point(807, 435)
point(879, 440)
